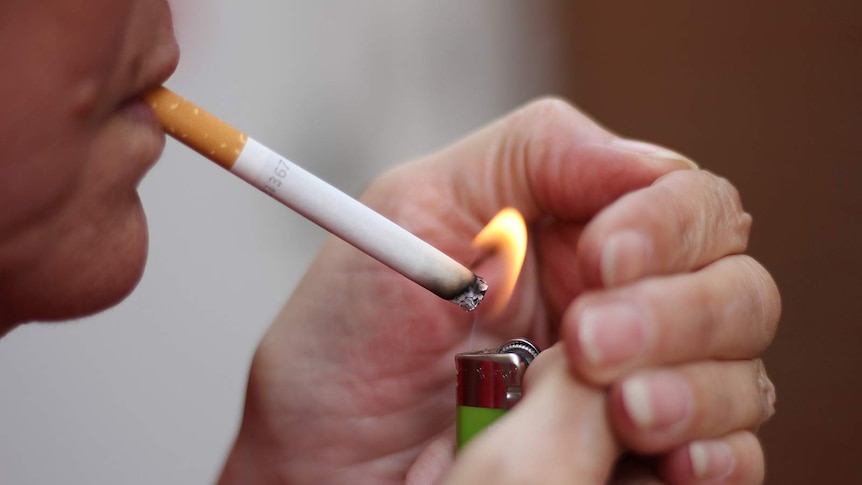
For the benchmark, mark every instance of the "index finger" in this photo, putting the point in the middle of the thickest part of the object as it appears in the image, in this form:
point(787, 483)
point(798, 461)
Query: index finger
point(546, 159)
point(682, 222)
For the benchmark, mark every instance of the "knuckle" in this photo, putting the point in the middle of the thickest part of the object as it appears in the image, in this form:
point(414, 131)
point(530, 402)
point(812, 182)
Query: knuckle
point(765, 391)
point(699, 215)
point(548, 108)
point(538, 130)
point(766, 298)
point(721, 218)
point(729, 193)
point(539, 134)
point(545, 124)
point(730, 204)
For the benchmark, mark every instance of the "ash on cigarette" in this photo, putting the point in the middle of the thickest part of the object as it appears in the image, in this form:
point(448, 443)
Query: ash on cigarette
point(472, 295)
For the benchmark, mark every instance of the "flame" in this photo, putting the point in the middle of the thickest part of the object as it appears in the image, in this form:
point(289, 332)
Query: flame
point(506, 235)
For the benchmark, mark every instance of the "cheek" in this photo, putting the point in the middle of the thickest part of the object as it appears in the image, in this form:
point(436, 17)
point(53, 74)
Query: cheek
point(41, 166)
point(57, 57)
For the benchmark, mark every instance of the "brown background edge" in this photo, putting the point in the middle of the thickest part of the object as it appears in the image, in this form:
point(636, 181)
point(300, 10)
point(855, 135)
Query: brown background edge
point(769, 95)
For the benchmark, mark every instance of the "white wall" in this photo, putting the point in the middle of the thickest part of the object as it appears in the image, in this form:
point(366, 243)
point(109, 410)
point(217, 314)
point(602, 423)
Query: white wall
point(151, 391)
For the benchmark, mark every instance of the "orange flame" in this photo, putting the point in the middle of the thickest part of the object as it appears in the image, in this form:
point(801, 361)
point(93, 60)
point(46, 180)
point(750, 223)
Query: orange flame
point(506, 234)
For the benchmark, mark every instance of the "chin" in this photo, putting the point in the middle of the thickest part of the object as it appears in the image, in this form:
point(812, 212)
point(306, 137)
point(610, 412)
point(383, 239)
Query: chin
point(85, 274)
point(110, 275)
point(107, 288)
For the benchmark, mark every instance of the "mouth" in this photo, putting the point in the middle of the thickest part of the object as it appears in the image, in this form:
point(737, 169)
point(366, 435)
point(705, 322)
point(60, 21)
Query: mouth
point(147, 136)
point(139, 112)
point(133, 105)
point(142, 134)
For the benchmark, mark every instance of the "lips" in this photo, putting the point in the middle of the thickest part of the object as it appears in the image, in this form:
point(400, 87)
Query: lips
point(139, 111)
point(163, 62)
point(143, 138)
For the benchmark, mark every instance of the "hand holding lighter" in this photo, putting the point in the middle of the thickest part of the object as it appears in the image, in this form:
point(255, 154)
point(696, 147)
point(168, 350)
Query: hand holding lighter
point(489, 384)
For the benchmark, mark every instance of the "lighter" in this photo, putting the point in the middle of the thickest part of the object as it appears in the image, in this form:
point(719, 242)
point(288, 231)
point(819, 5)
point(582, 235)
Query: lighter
point(489, 384)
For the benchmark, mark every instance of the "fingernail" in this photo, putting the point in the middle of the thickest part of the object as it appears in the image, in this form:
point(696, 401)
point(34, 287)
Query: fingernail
point(711, 460)
point(612, 334)
point(654, 152)
point(625, 256)
point(656, 401)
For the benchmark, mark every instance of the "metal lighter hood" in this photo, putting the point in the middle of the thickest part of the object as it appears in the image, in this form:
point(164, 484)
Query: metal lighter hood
point(490, 383)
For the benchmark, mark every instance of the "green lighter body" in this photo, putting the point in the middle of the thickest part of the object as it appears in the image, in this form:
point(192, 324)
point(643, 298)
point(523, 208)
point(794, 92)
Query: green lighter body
point(489, 384)
point(470, 420)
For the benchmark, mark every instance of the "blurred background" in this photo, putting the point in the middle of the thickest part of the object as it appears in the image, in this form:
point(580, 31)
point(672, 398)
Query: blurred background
point(768, 94)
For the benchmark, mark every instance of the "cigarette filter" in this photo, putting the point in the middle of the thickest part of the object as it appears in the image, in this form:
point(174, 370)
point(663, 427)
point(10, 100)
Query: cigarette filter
point(489, 384)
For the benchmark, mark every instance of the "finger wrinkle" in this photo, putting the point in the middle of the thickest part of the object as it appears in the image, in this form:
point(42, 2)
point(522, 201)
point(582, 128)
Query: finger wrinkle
point(505, 170)
point(739, 221)
point(739, 298)
point(542, 166)
point(754, 299)
point(731, 225)
point(764, 300)
point(550, 134)
point(767, 391)
point(697, 237)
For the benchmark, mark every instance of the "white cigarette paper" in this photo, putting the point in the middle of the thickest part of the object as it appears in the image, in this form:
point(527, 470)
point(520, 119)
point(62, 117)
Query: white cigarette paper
point(317, 200)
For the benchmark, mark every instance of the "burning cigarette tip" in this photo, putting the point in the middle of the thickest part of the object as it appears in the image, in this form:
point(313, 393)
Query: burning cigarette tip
point(472, 295)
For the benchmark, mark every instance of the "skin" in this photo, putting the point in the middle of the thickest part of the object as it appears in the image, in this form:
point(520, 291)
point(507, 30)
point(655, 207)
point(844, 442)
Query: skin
point(73, 149)
point(378, 355)
point(356, 386)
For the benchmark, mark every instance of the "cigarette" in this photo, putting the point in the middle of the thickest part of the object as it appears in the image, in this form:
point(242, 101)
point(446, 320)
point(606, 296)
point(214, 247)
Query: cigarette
point(320, 202)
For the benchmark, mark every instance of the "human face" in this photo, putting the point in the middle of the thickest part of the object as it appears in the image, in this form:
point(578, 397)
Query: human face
point(74, 144)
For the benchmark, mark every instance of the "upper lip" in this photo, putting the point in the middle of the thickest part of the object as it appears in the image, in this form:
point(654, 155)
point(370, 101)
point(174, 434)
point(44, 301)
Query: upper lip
point(161, 71)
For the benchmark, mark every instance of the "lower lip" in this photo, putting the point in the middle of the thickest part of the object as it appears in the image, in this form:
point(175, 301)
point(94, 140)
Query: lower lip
point(140, 112)
point(140, 115)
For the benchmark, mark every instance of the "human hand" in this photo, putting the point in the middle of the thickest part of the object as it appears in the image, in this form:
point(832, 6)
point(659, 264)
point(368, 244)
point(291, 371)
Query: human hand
point(674, 323)
point(355, 378)
point(557, 434)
